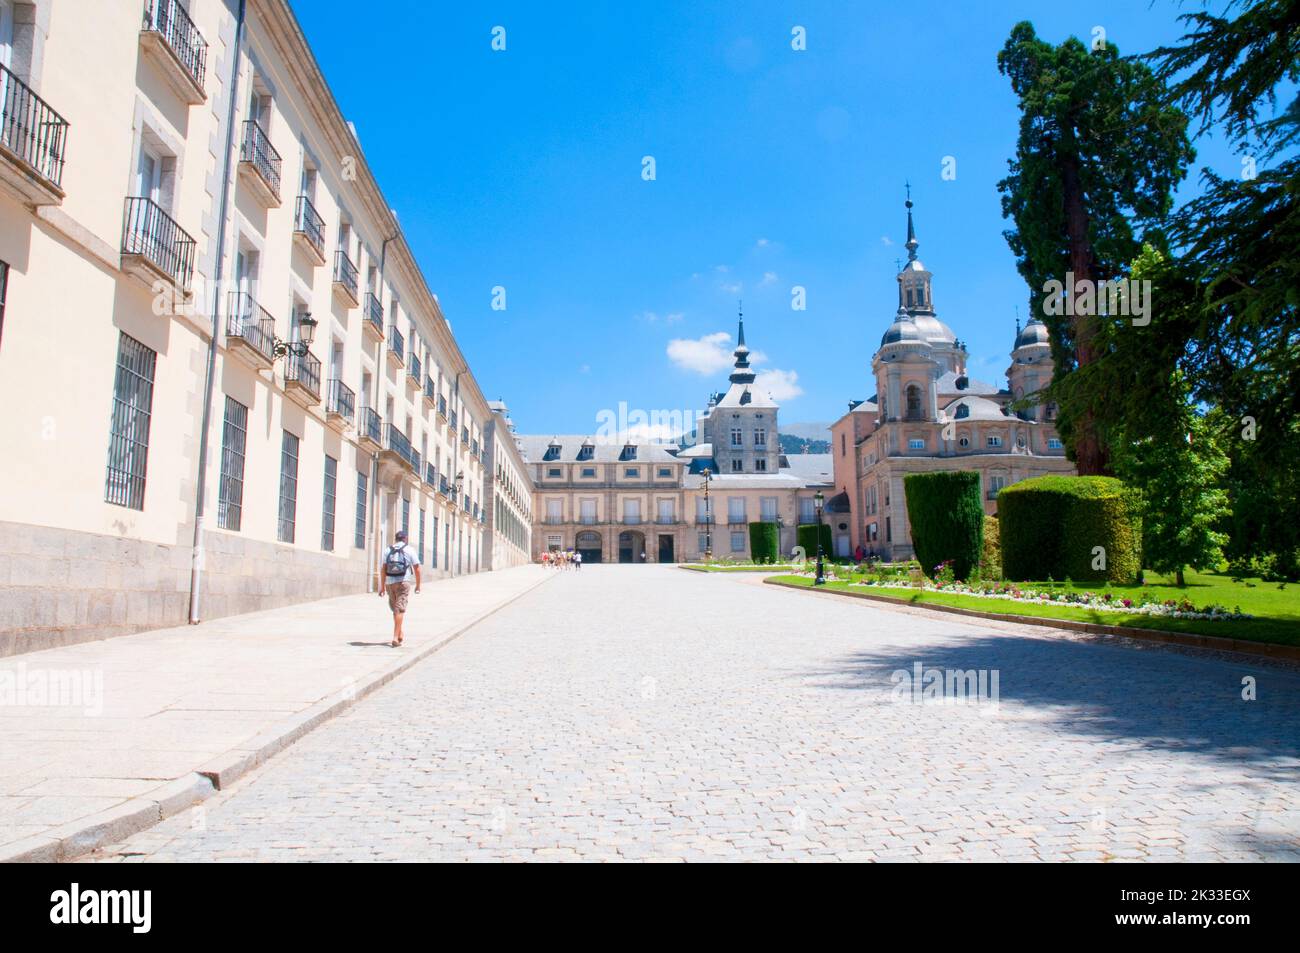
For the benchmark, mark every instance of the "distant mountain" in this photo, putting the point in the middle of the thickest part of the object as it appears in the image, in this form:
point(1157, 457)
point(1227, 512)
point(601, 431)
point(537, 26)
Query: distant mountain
point(792, 444)
point(812, 431)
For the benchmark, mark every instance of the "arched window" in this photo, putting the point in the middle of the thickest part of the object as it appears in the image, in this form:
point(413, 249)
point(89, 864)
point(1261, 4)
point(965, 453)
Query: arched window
point(913, 402)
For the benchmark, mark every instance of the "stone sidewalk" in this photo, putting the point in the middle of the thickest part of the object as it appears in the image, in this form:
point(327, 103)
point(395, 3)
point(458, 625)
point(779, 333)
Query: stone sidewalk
point(103, 739)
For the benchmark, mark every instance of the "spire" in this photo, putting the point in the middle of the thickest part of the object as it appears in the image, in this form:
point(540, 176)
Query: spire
point(742, 374)
point(912, 244)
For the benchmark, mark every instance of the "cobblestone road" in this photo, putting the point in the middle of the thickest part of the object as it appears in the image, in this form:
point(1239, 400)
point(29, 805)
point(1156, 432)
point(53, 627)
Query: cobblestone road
point(644, 712)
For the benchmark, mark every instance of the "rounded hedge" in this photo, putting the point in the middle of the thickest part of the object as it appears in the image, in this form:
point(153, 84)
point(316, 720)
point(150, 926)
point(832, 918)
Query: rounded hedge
point(764, 542)
point(947, 519)
point(806, 536)
point(1051, 526)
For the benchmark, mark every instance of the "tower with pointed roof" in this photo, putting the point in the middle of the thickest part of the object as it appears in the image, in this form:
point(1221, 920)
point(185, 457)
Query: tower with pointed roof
point(742, 423)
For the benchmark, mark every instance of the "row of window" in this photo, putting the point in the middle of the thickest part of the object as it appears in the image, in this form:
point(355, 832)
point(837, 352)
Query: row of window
point(589, 473)
point(993, 441)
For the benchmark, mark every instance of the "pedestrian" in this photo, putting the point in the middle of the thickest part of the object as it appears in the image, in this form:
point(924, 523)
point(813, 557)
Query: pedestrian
point(401, 566)
point(577, 560)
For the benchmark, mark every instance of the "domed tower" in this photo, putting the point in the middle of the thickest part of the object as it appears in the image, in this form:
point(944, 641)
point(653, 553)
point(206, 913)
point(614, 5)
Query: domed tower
point(1031, 366)
point(916, 297)
point(906, 372)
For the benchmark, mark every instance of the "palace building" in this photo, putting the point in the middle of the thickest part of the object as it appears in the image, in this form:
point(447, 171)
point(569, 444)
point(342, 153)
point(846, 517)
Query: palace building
point(927, 414)
point(228, 381)
point(639, 501)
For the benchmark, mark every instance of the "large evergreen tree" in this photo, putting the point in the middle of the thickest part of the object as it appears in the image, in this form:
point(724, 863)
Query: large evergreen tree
point(1100, 152)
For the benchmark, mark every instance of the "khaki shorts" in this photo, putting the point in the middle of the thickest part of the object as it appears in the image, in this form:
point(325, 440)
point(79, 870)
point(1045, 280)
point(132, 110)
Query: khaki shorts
point(399, 593)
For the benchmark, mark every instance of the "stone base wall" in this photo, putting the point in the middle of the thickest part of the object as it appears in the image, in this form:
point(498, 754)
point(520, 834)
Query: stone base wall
point(60, 587)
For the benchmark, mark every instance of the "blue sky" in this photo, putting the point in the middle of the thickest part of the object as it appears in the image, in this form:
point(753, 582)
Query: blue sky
point(775, 168)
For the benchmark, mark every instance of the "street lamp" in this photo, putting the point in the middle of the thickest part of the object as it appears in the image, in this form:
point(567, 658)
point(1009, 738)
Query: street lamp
point(299, 347)
point(819, 501)
point(708, 517)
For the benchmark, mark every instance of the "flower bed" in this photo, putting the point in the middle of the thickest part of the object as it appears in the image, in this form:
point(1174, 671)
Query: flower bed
point(1142, 604)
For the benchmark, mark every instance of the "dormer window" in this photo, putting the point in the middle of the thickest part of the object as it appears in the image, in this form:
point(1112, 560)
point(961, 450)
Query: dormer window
point(963, 411)
point(586, 451)
point(552, 451)
point(629, 452)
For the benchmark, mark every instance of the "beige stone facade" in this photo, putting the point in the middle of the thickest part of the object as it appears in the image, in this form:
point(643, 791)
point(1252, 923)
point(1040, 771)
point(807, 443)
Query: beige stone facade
point(129, 233)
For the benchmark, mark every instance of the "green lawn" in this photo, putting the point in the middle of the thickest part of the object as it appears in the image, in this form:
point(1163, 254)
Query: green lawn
point(1276, 610)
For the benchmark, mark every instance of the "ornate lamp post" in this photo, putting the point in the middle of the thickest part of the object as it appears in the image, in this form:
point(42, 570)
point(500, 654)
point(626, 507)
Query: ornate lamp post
point(708, 517)
point(819, 501)
point(300, 347)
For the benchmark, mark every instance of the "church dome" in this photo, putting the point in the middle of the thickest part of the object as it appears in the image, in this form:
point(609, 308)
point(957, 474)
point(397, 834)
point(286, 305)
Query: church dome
point(933, 330)
point(903, 329)
point(1035, 332)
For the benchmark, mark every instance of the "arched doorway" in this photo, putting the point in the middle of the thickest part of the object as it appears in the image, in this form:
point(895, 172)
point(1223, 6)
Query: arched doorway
point(588, 546)
point(631, 545)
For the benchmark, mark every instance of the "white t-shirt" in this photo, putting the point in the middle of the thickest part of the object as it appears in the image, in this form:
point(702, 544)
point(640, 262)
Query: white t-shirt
point(412, 560)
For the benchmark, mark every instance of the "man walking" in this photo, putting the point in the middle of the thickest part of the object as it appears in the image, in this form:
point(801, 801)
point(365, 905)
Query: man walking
point(401, 565)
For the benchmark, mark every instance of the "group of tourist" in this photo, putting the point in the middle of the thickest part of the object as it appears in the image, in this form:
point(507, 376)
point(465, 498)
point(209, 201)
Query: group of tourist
point(562, 559)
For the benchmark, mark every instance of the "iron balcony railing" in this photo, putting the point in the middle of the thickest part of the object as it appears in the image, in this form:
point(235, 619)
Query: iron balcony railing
point(430, 475)
point(304, 370)
point(396, 343)
point(414, 369)
point(631, 521)
point(308, 221)
point(251, 323)
point(340, 399)
point(257, 149)
point(30, 129)
point(442, 407)
point(417, 461)
point(373, 310)
point(345, 273)
point(397, 442)
point(705, 520)
point(170, 19)
point(588, 520)
point(443, 486)
point(151, 233)
point(429, 392)
point(453, 423)
point(665, 520)
point(370, 425)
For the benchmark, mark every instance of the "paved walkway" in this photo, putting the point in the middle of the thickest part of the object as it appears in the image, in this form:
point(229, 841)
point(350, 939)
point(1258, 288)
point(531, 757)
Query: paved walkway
point(642, 712)
point(141, 714)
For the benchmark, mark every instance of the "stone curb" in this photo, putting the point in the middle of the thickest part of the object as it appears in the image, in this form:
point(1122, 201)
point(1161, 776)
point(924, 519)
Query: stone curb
point(1187, 639)
point(72, 840)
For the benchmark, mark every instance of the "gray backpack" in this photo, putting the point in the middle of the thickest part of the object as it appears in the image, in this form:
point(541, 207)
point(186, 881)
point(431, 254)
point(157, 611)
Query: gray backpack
point(397, 562)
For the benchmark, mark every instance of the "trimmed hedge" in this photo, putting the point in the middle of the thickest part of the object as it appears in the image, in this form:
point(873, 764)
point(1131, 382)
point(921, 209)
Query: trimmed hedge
point(806, 536)
point(764, 542)
point(991, 556)
point(1050, 526)
point(947, 519)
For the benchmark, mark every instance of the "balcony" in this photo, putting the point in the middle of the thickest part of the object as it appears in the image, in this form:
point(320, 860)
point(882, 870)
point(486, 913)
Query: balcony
point(705, 520)
point(372, 313)
point(170, 39)
point(587, 520)
point(430, 394)
point(32, 141)
point(302, 378)
point(631, 520)
point(430, 476)
point(345, 280)
point(340, 403)
point(309, 230)
point(259, 164)
point(370, 430)
point(154, 247)
point(414, 371)
point(250, 330)
point(396, 447)
point(665, 521)
point(444, 487)
point(417, 466)
point(442, 407)
point(396, 347)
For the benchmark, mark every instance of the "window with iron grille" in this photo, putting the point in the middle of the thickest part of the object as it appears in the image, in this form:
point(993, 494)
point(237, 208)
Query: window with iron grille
point(406, 516)
point(128, 444)
point(421, 549)
point(433, 545)
point(4, 289)
point(327, 513)
point(230, 491)
point(360, 541)
point(288, 487)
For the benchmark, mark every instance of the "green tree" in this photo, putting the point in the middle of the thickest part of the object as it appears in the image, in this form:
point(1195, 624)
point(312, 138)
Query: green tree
point(1238, 244)
point(1100, 151)
point(1178, 473)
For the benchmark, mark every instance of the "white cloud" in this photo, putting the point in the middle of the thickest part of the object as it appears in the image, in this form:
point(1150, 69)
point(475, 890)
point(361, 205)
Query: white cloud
point(584, 369)
point(651, 317)
point(769, 278)
point(886, 240)
point(705, 355)
point(782, 385)
point(732, 287)
point(762, 243)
